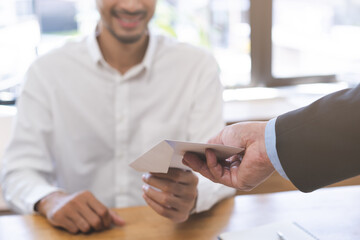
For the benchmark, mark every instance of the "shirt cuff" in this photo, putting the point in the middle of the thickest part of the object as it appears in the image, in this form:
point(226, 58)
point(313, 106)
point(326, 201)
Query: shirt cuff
point(210, 193)
point(39, 193)
point(270, 143)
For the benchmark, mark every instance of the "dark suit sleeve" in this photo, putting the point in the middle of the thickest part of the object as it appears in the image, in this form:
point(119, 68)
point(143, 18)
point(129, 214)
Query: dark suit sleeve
point(320, 144)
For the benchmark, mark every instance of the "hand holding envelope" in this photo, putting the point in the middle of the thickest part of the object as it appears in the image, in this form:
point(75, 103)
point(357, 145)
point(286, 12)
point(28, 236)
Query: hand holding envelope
point(247, 170)
point(169, 154)
point(168, 189)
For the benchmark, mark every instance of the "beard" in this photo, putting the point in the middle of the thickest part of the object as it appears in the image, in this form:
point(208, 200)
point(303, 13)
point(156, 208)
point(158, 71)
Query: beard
point(126, 39)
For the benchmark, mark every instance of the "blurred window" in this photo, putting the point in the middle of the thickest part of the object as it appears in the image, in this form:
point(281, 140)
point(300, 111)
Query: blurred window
point(19, 36)
point(256, 42)
point(315, 37)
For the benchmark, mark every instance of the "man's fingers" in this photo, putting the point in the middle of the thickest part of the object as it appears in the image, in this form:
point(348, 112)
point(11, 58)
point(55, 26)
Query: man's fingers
point(198, 165)
point(164, 211)
point(69, 219)
point(174, 198)
point(67, 224)
point(89, 215)
point(80, 211)
point(79, 221)
point(164, 199)
point(169, 186)
point(164, 185)
point(215, 168)
point(98, 215)
point(217, 139)
point(193, 161)
point(116, 219)
point(222, 172)
point(236, 180)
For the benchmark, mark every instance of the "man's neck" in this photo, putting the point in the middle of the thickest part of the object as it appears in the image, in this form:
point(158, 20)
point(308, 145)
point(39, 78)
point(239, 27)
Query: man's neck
point(119, 55)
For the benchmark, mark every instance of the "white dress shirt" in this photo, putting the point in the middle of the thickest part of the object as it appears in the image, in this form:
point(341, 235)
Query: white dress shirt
point(80, 122)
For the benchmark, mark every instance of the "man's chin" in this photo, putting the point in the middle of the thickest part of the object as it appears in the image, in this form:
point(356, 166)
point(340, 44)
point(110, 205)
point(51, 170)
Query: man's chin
point(127, 38)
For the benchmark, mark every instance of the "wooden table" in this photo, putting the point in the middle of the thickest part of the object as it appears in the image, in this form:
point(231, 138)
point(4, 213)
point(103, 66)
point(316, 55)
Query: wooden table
point(331, 213)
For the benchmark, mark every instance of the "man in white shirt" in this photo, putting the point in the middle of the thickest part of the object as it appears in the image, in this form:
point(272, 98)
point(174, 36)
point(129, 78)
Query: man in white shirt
point(91, 107)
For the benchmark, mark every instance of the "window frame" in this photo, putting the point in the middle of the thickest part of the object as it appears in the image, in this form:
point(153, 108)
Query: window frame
point(261, 13)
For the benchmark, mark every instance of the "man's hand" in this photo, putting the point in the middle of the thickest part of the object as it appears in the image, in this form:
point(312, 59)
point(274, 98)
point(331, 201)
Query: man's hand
point(79, 212)
point(241, 172)
point(172, 195)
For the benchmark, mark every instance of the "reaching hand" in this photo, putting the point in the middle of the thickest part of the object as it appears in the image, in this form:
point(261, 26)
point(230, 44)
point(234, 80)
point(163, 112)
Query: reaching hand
point(241, 172)
point(172, 195)
point(79, 212)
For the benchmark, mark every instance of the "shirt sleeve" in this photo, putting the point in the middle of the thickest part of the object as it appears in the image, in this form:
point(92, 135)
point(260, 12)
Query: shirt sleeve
point(270, 143)
point(206, 120)
point(209, 193)
point(27, 171)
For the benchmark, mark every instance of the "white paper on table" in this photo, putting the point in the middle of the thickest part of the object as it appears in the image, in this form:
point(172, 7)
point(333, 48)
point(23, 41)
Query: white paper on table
point(288, 230)
point(169, 154)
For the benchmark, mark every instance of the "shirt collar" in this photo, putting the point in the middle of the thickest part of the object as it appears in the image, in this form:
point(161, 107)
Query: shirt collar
point(93, 47)
point(97, 57)
point(150, 51)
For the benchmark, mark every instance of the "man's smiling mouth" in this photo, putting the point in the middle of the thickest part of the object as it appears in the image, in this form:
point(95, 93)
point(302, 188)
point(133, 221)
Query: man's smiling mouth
point(129, 20)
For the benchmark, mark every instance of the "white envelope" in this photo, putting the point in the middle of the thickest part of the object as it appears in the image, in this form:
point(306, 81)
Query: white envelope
point(169, 154)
